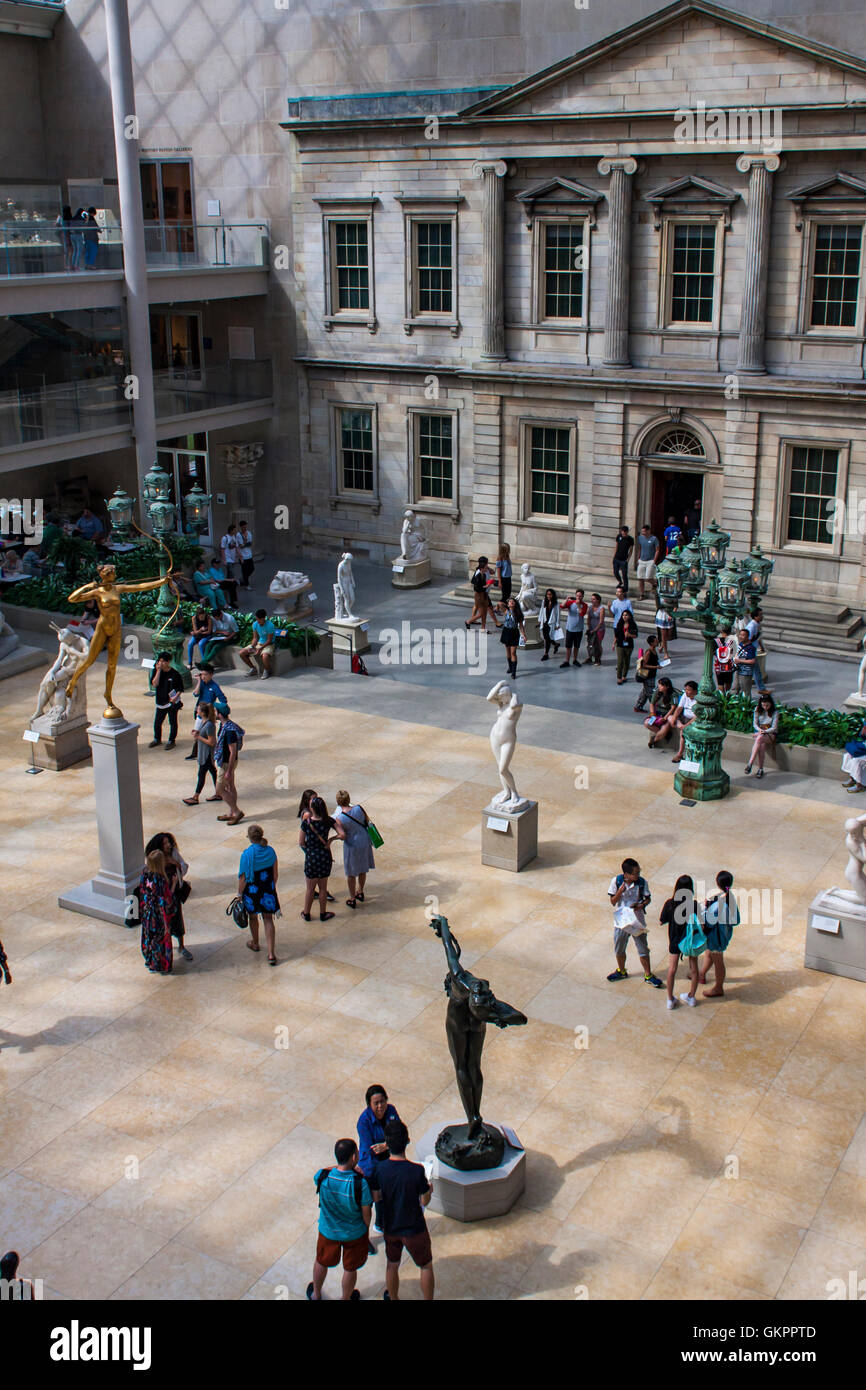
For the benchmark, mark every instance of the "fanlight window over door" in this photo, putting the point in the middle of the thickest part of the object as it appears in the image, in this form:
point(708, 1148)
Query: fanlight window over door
point(682, 442)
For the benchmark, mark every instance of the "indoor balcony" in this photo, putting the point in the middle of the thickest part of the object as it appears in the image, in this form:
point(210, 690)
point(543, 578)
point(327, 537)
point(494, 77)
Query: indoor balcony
point(45, 267)
point(48, 422)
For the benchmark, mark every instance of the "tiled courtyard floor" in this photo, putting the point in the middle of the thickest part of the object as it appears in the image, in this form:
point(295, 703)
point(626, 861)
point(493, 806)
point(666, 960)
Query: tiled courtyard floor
point(156, 1143)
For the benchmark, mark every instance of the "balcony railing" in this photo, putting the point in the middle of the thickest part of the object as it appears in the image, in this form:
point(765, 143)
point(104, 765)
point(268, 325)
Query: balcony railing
point(185, 392)
point(35, 413)
point(47, 248)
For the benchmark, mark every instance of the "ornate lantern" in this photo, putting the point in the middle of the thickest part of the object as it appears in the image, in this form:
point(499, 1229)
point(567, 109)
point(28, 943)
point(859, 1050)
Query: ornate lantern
point(120, 509)
point(669, 577)
point(195, 507)
point(758, 567)
point(712, 544)
point(690, 558)
point(730, 584)
point(157, 485)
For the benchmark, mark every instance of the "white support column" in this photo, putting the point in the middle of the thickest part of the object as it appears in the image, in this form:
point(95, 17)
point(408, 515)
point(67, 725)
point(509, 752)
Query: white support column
point(753, 314)
point(132, 223)
point(493, 257)
point(616, 314)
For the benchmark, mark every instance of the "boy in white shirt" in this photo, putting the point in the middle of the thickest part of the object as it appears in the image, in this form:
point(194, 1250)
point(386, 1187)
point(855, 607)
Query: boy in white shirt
point(630, 896)
point(229, 550)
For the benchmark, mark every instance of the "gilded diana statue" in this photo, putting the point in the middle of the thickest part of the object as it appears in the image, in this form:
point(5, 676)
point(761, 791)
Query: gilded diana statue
point(107, 593)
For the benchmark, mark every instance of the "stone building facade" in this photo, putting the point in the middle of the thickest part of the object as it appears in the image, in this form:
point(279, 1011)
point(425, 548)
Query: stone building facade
point(629, 282)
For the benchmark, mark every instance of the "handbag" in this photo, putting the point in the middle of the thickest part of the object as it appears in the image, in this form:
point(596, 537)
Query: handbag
point(185, 890)
point(237, 910)
point(558, 635)
point(375, 838)
point(855, 749)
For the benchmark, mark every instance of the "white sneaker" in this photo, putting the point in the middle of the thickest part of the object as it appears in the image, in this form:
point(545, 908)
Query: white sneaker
point(689, 999)
point(252, 673)
point(673, 1004)
point(266, 675)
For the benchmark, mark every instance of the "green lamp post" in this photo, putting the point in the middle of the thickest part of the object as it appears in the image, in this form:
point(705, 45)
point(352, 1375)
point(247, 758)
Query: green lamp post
point(120, 508)
point(162, 515)
point(701, 565)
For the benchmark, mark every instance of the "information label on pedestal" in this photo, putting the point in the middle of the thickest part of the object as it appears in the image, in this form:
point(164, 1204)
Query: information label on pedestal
point(686, 765)
point(312, 597)
point(365, 627)
point(31, 736)
point(399, 569)
point(497, 823)
point(832, 925)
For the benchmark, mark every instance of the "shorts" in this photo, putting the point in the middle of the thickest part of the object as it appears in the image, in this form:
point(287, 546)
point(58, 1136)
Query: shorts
point(572, 640)
point(646, 569)
point(224, 778)
point(354, 1252)
point(621, 938)
point(418, 1246)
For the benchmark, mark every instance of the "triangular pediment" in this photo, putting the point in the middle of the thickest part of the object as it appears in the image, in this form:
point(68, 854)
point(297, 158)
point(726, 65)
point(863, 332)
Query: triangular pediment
point(687, 53)
point(692, 188)
point(835, 186)
point(566, 195)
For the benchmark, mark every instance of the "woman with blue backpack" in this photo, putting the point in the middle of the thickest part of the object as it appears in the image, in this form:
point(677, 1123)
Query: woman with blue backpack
point(721, 915)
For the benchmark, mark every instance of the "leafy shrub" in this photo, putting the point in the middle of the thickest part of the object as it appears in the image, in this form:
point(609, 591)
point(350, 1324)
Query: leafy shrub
point(799, 725)
point(143, 562)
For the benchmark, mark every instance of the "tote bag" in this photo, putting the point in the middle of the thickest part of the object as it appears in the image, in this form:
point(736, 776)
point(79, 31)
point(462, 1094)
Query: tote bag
point(694, 941)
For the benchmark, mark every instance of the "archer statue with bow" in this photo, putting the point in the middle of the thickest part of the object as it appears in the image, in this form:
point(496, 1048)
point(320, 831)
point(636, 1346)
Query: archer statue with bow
point(107, 593)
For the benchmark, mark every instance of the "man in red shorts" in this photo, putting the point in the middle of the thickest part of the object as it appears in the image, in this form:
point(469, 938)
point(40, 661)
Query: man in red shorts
point(345, 1208)
point(404, 1192)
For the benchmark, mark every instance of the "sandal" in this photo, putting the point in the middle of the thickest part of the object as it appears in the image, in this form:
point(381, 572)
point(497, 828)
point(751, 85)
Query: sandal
point(227, 817)
point(306, 916)
point(192, 800)
point(213, 798)
point(272, 960)
point(350, 902)
point(359, 897)
point(325, 916)
point(233, 820)
point(251, 947)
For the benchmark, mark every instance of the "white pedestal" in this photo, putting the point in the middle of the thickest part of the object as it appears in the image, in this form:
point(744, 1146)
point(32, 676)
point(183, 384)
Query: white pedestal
point(62, 742)
point(410, 574)
point(509, 839)
point(117, 790)
point(532, 629)
point(855, 701)
point(480, 1193)
point(349, 636)
point(841, 951)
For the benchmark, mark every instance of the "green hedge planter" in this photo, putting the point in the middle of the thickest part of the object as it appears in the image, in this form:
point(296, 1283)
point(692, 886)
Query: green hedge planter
point(799, 725)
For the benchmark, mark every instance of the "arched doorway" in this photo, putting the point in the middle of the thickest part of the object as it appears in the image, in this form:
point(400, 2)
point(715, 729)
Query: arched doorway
point(679, 476)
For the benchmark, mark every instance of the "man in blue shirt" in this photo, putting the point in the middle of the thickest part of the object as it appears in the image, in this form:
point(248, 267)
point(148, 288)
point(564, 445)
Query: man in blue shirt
point(262, 646)
point(345, 1207)
point(620, 605)
point(206, 692)
point(90, 527)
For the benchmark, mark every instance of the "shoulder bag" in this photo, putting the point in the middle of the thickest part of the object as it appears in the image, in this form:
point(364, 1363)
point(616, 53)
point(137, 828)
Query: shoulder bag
point(237, 910)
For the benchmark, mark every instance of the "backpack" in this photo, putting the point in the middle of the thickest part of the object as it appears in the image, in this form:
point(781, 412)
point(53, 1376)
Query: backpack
point(230, 724)
point(356, 1186)
point(358, 667)
point(694, 941)
point(642, 884)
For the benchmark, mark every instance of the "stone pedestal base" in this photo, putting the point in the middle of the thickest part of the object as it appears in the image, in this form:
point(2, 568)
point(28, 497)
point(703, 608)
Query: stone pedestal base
point(61, 742)
point(533, 631)
point(855, 701)
point(349, 636)
point(292, 604)
point(410, 574)
point(479, 1193)
point(840, 952)
point(516, 844)
point(117, 791)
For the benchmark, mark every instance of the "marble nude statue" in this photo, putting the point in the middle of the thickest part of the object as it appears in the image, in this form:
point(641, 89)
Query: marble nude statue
point(51, 698)
point(471, 1006)
point(503, 741)
point(413, 542)
point(855, 869)
point(528, 597)
point(8, 638)
point(346, 586)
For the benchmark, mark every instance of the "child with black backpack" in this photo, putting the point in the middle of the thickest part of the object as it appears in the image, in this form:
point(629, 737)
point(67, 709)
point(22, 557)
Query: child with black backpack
point(630, 896)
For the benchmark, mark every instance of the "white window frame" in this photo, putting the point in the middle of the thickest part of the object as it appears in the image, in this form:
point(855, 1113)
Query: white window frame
point(669, 221)
point(336, 210)
point(786, 449)
point(440, 506)
point(812, 221)
point(539, 225)
point(526, 514)
point(340, 494)
point(429, 209)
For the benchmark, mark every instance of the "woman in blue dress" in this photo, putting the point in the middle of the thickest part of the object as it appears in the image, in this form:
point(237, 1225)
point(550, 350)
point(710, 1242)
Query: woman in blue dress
point(357, 850)
point(257, 887)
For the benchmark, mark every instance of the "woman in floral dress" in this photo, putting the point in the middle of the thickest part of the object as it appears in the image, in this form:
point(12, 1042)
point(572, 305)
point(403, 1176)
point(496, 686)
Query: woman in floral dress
point(257, 887)
point(315, 836)
point(157, 914)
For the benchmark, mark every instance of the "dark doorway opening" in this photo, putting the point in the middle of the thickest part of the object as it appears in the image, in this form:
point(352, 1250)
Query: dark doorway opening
point(678, 495)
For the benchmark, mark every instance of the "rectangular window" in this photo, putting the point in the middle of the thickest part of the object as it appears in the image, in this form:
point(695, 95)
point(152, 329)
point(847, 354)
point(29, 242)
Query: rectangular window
point(356, 450)
point(811, 493)
point(351, 265)
point(693, 272)
point(433, 264)
point(563, 270)
point(434, 451)
point(549, 470)
point(836, 275)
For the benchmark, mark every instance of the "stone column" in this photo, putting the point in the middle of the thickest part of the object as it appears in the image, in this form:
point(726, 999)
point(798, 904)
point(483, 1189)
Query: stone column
point(132, 224)
point(241, 462)
point(621, 172)
point(753, 314)
point(492, 257)
point(117, 792)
